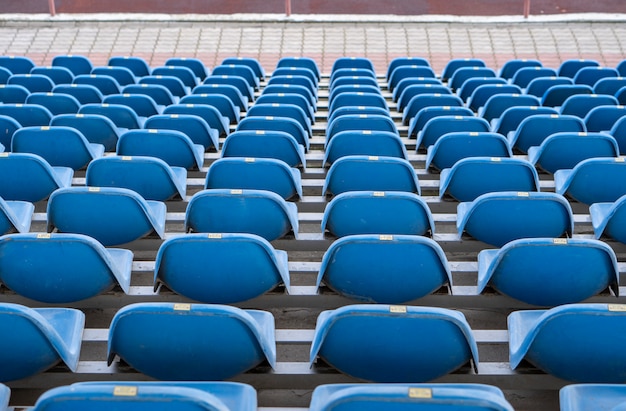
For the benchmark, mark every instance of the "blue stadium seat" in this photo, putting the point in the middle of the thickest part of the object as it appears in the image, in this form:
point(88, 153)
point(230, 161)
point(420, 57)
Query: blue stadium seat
point(402, 84)
point(472, 177)
point(296, 80)
point(58, 75)
point(407, 344)
point(524, 76)
point(281, 73)
point(595, 180)
point(370, 173)
point(607, 219)
point(371, 397)
point(620, 95)
point(122, 75)
point(452, 147)
point(589, 397)
point(482, 94)
point(618, 132)
point(364, 142)
point(27, 114)
point(497, 218)
point(358, 99)
point(173, 147)
point(230, 91)
point(439, 126)
point(294, 99)
point(205, 342)
point(282, 110)
point(150, 177)
point(259, 212)
point(348, 110)
point(574, 342)
point(32, 178)
point(352, 62)
point(15, 216)
point(106, 84)
point(222, 103)
point(569, 68)
point(238, 70)
point(5, 73)
point(8, 126)
point(84, 93)
point(564, 150)
point(270, 123)
point(172, 83)
point(360, 122)
point(405, 61)
point(17, 64)
point(473, 83)
point(185, 74)
point(455, 64)
point(556, 95)
point(137, 65)
point(513, 116)
point(39, 339)
point(375, 212)
point(110, 215)
point(415, 89)
point(193, 126)
point(196, 65)
point(403, 72)
point(96, 128)
point(121, 115)
point(533, 130)
point(609, 85)
point(265, 144)
point(422, 101)
point(540, 85)
point(246, 90)
point(62, 268)
point(75, 63)
point(35, 83)
point(541, 271)
point(304, 62)
point(208, 113)
point(209, 267)
point(161, 95)
point(497, 104)
point(463, 74)
point(591, 75)
point(420, 119)
point(603, 118)
point(60, 146)
point(351, 88)
point(56, 103)
point(255, 174)
point(511, 67)
point(579, 105)
point(142, 104)
point(378, 268)
point(13, 94)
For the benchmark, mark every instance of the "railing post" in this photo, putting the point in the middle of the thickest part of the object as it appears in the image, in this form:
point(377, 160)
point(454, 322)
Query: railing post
point(288, 7)
point(526, 8)
point(51, 7)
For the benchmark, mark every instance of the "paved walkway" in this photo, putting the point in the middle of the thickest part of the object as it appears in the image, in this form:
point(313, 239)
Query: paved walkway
point(268, 41)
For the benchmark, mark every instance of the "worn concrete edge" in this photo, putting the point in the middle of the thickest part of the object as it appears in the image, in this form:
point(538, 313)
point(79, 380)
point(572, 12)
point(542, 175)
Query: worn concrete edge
point(306, 18)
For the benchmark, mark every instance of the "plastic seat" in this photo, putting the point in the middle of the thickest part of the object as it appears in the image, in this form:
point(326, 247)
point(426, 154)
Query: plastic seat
point(402, 84)
point(62, 268)
point(293, 99)
point(13, 94)
point(607, 219)
point(5, 73)
point(620, 95)
point(497, 104)
point(471, 84)
point(304, 81)
point(238, 70)
point(75, 63)
point(472, 177)
point(233, 94)
point(422, 101)
point(172, 83)
point(84, 93)
point(106, 84)
point(205, 342)
point(351, 88)
point(524, 76)
point(350, 72)
point(32, 178)
point(173, 147)
point(555, 96)
point(56, 103)
point(151, 178)
point(122, 75)
point(17, 64)
point(370, 173)
point(569, 68)
point(161, 95)
point(110, 215)
point(282, 110)
point(360, 122)
point(210, 268)
point(213, 117)
point(222, 103)
point(193, 126)
point(183, 396)
point(596, 180)
point(195, 65)
point(376, 212)
point(382, 269)
point(512, 117)
point(540, 85)
point(296, 72)
point(579, 105)
point(96, 128)
point(497, 218)
point(438, 126)
point(358, 99)
point(255, 174)
point(453, 147)
point(35, 83)
point(142, 104)
point(589, 397)
point(27, 114)
point(462, 74)
point(348, 110)
point(541, 271)
point(591, 75)
point(533, 130)
point(291, 89)
point(574, 342)
point(609, 85)
point(483, 93)
point(603, 118)
point(265, 144)
point(416, 89)
point(271, 123)
point(15, 216)
point(455, 64)
point(407, 344)
point(420, 119)
point(368, 397)
point(305, 62)
point(121, 115)
point(364, 143)
point(564, 150)
point(8, 126)
point(246, 90)
point(618, 132)
point(352, 62)
point(259, 212)
point(137, 65)
point(185, 74)
point(403, 72)
point(511, 67)
point(60, 146)
point(405, 61)
point(39, 338)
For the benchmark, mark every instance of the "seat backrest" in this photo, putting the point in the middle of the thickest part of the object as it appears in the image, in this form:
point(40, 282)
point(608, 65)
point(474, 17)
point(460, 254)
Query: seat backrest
point(438, 126)
point(452, 147)
point(27, 114)
point(193, 126)
point(75, 63)
point(511, 67)
point(533, 130)
point(56, 103)
point(265, 144)
point(95, 127)
point(32, 178)
point(173, 147)
point(137, 65)
point(524, 76)
point(196, 65)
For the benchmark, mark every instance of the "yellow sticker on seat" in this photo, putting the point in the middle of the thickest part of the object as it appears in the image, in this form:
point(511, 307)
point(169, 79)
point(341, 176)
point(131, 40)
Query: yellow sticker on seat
point(420, 392)
point(125, 391)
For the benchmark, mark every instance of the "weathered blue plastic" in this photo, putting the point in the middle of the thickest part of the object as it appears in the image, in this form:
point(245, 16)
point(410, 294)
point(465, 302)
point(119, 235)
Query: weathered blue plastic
point(193, 126)
point(416, 89)
point(592, 397)
point(297, 77)
point(595, 180)
point(469, 85)
point(32, 178)
point(246, 90)
point(253, 63)
point(234, 95)
point(402, 72)
point(471, 177)
point(406, 397)
point(110, 215)
point(497, 218)
point(190, 342)
point(343, 111)
point(383, 343)
point(533, 130)
point(438, 126)
point(60, 146)
point(106, 84)
point(56, 103)
point(150, 395)
point(295, 99)
point(122, 75)
point(464, 73)
point(370, 173)
point(159, 93)
point(422, 117)
point(591, 75)
point(482, 94)
point(405, 61)
point(61, 268)
point(580, 105)
point(220, 268)
point(8, 127)
point(350, 72)
point(137, 65)
point(172, 83)
point(351, 122)
point(15, 216)
point(574, 342)
point(150, 177)
point(556, 95)
point(609, 85)
point(265, 144)
point(35, 83)
point(240, 70)
point(17, 64)
point(561, 151)
point(358, 99)
point(77, 64)
point(305, 62)
point(511, 67)
point(84, 93)
point(291, 89)
point(609, 219)
point(142, 104)
point(255, 174)
point(185, 74)
point(39, 339)
point(524, 76)
point(422, 101)
point(497, 104)
point(196, 65)
point(603, 118)
point(388, 269)
point(455, 64)
point(452, 147)
point(271, 123)
point(548, 271)
point(13, 94)
point(282, 110)
point(208, 113)
point(406, 83)
point(27, 114)
point(121, 115)
point(540, 85)
point(569, 68)
point(172, 146)
point(222, 103)
point(259, 212)
point(371, 212)
point(364, 142)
